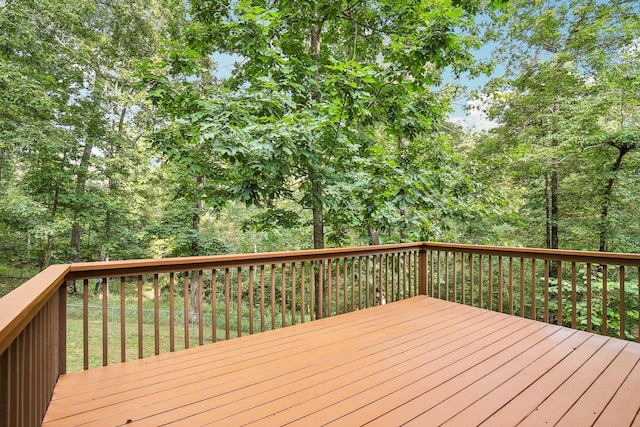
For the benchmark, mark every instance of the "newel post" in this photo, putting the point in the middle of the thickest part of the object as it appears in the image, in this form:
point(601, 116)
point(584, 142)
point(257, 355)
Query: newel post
point(422, 276)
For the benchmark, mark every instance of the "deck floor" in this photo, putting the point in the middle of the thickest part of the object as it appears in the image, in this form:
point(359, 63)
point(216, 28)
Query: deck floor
point(421, 361)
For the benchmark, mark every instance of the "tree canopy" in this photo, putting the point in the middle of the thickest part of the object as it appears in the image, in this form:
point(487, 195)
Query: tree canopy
point(119, 138)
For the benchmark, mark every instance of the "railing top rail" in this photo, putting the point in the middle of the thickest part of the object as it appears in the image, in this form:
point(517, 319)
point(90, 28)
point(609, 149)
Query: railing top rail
point(20, 306)
point(627, 259)
point(91, 270)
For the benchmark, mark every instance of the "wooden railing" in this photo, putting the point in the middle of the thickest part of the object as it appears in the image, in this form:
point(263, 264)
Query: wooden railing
point(148, 307)
point(593, 291)
point(119, 311)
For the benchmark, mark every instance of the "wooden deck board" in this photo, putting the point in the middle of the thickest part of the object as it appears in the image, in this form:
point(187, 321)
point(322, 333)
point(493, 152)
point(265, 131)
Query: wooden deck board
point(420, 361)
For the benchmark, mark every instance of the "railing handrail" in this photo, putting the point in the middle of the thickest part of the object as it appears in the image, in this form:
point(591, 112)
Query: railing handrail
point(21, 305)
point(92, 270)
point(593, 257)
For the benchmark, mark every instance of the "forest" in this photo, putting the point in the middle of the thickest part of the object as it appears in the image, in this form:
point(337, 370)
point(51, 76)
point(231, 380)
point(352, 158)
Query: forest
point(122, 137)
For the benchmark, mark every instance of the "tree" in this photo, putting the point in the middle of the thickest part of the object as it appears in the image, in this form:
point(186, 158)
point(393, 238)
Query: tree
point(73, 125)
point(558, 105)
point(317, 86)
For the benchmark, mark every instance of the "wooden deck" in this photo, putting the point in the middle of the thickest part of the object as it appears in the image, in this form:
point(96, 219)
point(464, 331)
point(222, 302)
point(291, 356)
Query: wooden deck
point(420, 361)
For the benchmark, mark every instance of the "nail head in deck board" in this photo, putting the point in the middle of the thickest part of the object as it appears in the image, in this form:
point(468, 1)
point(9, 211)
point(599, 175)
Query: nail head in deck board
point(381, 358)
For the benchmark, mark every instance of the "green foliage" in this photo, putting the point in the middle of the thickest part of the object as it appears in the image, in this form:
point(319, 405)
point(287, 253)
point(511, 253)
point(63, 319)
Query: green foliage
point(568, 113)
point(300, 121)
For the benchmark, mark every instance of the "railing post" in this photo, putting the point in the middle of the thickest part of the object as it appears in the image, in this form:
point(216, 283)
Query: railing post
point(422, 276)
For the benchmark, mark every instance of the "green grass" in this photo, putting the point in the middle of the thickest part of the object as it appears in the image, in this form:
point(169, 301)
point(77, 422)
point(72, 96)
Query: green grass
point(75, 361)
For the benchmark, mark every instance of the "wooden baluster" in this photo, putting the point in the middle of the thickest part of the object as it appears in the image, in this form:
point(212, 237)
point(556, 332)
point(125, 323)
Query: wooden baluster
point(214, 305)
point(251, 313)
point(367, 283)
point(394, 296)
point(239, 303)
point(273, 296)
point(200, 307)
point(262, 298)
point(105, 322)
point(227, 303)
point(546, 291)
point(438, 275)
point(559, 293)
point(462, 284)
point(480, 293)
point(471, 280)
point(337, 285)
point(123, 321)
point(522, 287)
point(360, 283)
point(573, 296)
point(344, 293)
point(85, 323)
point(293, 293)
point(500, 299)
point(511, 286)
point(303, 292)
point(140, 330)
point(446, 275)
point(455, 282)
point(604, 300)
point(320, 285)
point(312, 290)
point(373, 279)
point(187, 315)
point(533, 290)
point(589, 314)
point(172, 315)
point(353, 284)
point(622, 309)
point(490, 282)
point(329, 287)
point(156, 314)
point(432, 285)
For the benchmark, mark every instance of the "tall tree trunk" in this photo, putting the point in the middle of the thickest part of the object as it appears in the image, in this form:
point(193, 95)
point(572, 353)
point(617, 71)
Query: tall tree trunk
point(374, 236)
point(316, 185)
point(195, 250)
point(318, 243)
point(554, 209)
point(547, 208)
point(403, 161)
point(551, 207)
point(46, 257)
point(606, 199)
point(551, 193)
point(81, 183)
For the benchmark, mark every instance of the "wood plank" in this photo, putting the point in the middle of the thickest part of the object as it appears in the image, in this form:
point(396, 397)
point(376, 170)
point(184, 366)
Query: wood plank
point(496, 398)
point(507, 355)
point(527, 401)
point(507, 380)
point(564, 397)
point(625, 405)
point(586, 410)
